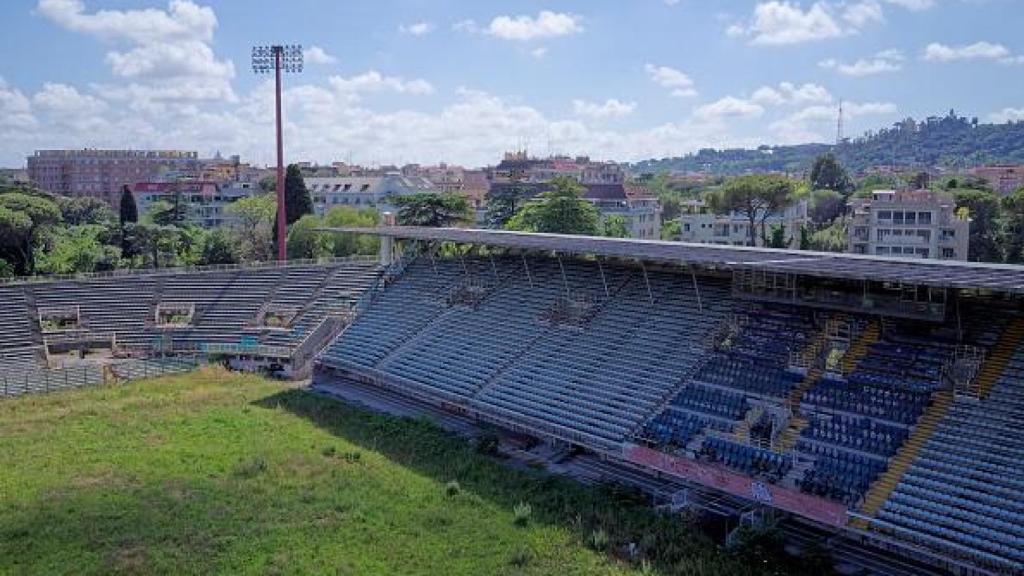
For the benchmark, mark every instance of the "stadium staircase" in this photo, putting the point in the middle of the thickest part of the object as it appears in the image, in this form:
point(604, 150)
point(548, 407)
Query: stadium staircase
point(901, 462)
point(1010, 340)
point(810, 356)
point(860, 348)
point(33, 318)
point(742, 433)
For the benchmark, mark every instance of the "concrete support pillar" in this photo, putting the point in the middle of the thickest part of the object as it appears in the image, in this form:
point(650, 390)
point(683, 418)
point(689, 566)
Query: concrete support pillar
point(387, 243)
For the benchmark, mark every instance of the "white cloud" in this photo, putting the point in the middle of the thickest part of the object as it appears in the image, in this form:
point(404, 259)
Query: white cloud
point(168, 54)
point(417, 28)
point(374, 81)
point(915, 5)
point(546, 24)
point(938, 52)
point(15, 108)
point(539, 52)
point(677, 81)
point(608, 109)
point(880, 63)
point(1007, 115)
point(781, 22)
point(728, 107)
point(789, 93)
point(813, 123)
point(317, 55)
point(864, 12)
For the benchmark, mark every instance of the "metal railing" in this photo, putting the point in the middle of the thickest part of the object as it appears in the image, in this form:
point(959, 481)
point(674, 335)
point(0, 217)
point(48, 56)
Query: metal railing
point(43, 380)
point(120, 273)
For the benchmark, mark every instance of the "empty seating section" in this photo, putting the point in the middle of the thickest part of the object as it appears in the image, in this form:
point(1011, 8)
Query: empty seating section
point(855, 425)
point(964, 489)
point(597, 378)
point(747, 459)
point(751, 362)
point(226, 305)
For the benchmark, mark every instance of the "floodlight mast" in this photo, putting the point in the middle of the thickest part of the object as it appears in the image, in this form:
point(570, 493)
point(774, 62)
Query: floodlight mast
point(289, 59)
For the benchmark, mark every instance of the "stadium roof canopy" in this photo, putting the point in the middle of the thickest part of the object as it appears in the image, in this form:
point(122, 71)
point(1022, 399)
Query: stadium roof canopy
point(921, 272)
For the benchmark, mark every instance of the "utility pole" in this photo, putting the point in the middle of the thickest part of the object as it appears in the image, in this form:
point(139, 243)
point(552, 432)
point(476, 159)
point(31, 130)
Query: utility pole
point(286, 58)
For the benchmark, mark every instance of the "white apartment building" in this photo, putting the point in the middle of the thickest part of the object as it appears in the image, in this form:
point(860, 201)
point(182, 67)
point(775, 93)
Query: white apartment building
point(363, 192)
point(908, 224)
point(699, 224)
point(206, 201)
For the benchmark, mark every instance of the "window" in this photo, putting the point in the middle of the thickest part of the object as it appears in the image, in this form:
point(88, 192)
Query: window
point(948, 253)
point(881, 251)
point(883, 234)
point(923, 252)
point(885, 214)
point(897, 217)
point(911, 218)
point(924, 217)
point(686, 227)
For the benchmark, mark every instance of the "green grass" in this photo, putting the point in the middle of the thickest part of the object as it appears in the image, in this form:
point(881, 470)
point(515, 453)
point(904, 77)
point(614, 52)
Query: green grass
point(213, 472)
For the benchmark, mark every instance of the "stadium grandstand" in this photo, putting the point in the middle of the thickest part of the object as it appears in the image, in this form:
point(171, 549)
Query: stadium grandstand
point(877, 401)
point(90, 329)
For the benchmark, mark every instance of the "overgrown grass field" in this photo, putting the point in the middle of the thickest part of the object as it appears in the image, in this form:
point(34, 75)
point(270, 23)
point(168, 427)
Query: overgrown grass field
point(213, 472)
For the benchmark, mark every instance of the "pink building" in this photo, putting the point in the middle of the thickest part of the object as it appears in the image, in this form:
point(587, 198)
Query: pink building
point(102, 173)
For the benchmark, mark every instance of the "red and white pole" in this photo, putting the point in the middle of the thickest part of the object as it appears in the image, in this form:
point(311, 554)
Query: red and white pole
point(282, 226)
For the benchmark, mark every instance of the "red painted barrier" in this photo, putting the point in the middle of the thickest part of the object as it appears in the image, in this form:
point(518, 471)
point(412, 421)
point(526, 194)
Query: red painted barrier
point(723, 479)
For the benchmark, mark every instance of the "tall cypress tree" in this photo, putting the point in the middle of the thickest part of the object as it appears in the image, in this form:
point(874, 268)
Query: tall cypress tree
point(129, 211)
point(297, 202)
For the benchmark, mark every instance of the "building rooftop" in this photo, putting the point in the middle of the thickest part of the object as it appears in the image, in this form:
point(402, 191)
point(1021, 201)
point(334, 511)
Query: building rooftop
point(922, 272)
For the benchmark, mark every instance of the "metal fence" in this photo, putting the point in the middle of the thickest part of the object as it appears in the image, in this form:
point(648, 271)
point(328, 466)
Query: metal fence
point(183, 269)
point(46, 380)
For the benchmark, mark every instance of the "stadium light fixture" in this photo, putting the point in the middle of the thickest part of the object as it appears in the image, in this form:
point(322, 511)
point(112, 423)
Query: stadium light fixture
point(278, 59)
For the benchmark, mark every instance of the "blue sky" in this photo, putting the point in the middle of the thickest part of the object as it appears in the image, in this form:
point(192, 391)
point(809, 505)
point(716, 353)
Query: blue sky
point(394, 81)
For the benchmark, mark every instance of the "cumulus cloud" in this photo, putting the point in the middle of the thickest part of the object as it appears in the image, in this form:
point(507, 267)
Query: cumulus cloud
point(1007, 115)
point(915, 5)
point(416, 29)
point(865, 12)
point(880, 63)
point(938, 52)
point(781, 22)
point(546, 24)
point(812, 123)
point(159, 50)
point(317, 55)
point(789, 93)
point(677, 81)
point(728, 107)
point(609, 108)
point(374, 81)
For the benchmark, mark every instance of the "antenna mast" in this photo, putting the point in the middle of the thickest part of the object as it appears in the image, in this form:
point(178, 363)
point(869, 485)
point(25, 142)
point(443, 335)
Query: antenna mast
point(839, 125)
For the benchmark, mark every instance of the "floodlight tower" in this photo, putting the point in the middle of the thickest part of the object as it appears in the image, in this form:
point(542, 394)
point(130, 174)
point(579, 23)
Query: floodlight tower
point(287, 58)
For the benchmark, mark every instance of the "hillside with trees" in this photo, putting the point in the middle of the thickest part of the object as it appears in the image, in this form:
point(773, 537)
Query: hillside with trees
point(949, 141)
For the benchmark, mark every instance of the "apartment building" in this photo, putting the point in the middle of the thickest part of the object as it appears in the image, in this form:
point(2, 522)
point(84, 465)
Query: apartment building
point(908, 224)
point(103, 173)
point(699, 224)
point(1004, 179)
point(207, 202)
point(363, 192)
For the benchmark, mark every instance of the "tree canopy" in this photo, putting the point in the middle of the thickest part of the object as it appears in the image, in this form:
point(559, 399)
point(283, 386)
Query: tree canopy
point(756, 197)
point(562, 210)
point(433, 210)
point(828, 174)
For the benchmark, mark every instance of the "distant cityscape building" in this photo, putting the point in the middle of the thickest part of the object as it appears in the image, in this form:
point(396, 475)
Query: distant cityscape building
point(206, 201)
point(909, 224)
point(363, 191)
point(1004, 179)
point(102, 173)
point(699, 224)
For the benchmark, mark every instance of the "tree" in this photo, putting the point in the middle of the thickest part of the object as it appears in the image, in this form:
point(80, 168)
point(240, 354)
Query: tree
point(350, 244)
point(268, 183)
point(984, 211)
point(1012, 234)
point(777, 239)
point(129, 210)
point(671, 230)
point(304, 241)
point(297, 201)
point(756, 197)
point(433, 210)
point(78, 249)
point(615, 226)
point(21, 233)
point(805, 238)
point(826, 206)
point(253, 229)
point(502, 204)
point(562, 210)
point(218, 248)
point(85, 210)
point(920, 181)
point(828, 174)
